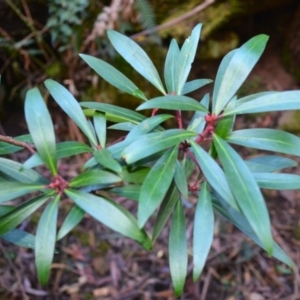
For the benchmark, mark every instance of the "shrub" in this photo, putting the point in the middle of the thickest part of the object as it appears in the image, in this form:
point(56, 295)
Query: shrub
point(151, 164)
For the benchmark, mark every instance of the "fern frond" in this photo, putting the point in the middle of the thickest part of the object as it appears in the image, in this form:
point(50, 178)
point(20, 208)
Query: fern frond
point(146, 13)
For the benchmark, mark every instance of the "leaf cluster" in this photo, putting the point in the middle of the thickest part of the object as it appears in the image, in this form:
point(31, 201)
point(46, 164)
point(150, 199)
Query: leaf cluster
point(151, 164)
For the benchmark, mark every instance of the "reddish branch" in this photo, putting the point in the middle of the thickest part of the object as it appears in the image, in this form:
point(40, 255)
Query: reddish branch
point(10, 140)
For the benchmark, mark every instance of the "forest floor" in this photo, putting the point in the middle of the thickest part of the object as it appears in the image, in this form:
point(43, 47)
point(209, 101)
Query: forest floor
point(96, 263)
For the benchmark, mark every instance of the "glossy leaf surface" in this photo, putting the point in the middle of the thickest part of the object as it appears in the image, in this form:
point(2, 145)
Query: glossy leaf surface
point(246, 192)
point(203, 230)
point(112, 75)
point(152, 143)
point(178, 256)
point(267, 139)
point(71, 107)
point(277, 181)
point(194, 85)
point(104, 158)
point(110, 214)
point(174, 103)
point(20, 238)
point(156, 185)
point(237, 67)
point(45, 240)
point(41, 128)
point(136, 57)
point(100, 128)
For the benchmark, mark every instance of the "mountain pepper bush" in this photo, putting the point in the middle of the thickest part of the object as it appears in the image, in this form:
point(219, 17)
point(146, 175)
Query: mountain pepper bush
point(151, 164)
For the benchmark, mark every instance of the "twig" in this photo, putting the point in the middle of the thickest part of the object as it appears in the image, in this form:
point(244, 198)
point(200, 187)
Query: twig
point(10, 140)
point(187, 15)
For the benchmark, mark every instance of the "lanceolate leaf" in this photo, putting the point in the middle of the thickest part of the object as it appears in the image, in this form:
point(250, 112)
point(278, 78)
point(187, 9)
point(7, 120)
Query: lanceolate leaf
point(73, 218)
point(115, 113)
point(203, 230)
point(20, 213)
point(93, 177)
point(277, 181)
point(178, 256)
point(267, 139)
point(100, 128)
point(64, 149)
point(104, 158)
point(110, 214)
point(146, 126)
point(13, 169)
point(135, 176)
point(277, 101)
point(194, 85)
point(71, 107)
point(241, 223)
point(214, 175)
point(156, 185)
point(125, 126)
point(181, 180)
point(20, 238)
point(174, 103)
point(41, 128)
point(170, 66)
point(246, 191)
point(269, 163)
point(11, 190)
point(136, 57)
point(45, 240)
point(238, 66)
point(185, 59)
point(152, 143)
point(112, 75)
point(165, 210)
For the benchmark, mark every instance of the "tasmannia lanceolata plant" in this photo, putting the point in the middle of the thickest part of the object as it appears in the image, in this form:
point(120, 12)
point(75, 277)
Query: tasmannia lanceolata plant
point(152, 164)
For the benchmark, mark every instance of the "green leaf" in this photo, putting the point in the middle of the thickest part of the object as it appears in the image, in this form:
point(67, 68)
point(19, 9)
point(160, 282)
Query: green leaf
point(13, 169)
point(45, 240)
point(93, 177)
point(203, 230)
point(194, 85)
point(100, 128)
point(20, 238)
point(214, 175)
point(156, 185)
point(41, 128)
point(267, 139)
point(135, 176)
point(20, 213)
point(235, 69)
point(186, 58)
point(241, 223)
point(5, 209)
point(277, 101)
point(6, 148)
point(136, 57)
point(131, 191)
point(269, 163)
point(104, 158)
point(71, 107)
point(246, 192)
point(110, 214)
point(165, 210)
point(277, 181)
point(178, 256)
point(112, 75)
point(181, 180)
point(73, 218)
point(173, 103)
point(11, 190)
point(152, 143)
point(170, 66)
point(146, 126)
point(125, 126)
point(115, 113)
point(63, 149)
